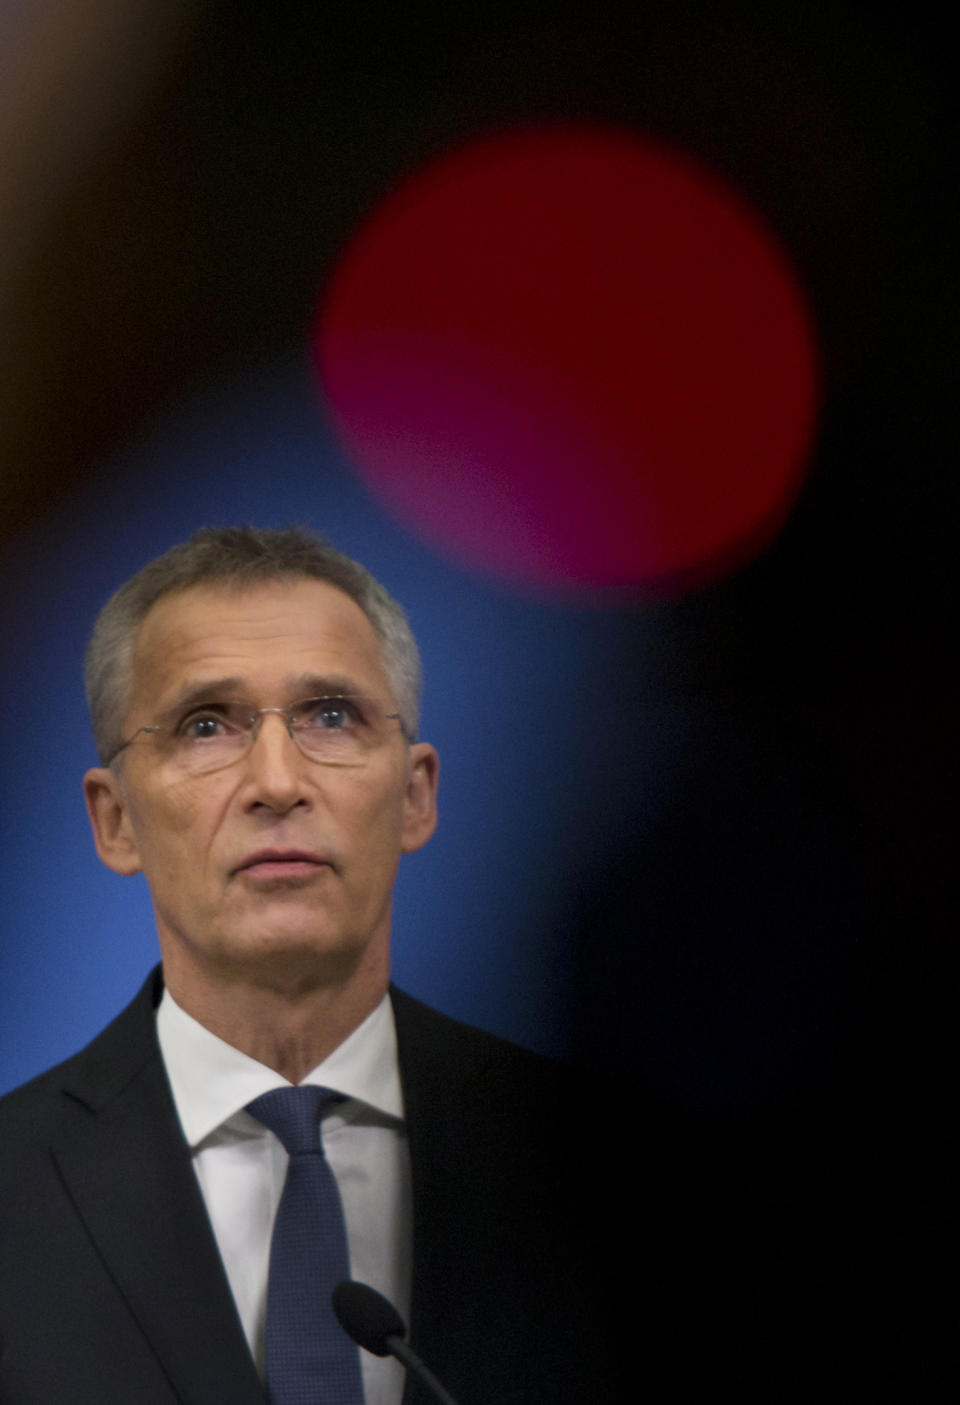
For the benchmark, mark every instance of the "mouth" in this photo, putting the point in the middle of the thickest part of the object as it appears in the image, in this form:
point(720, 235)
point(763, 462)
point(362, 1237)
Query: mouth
point(282, 863)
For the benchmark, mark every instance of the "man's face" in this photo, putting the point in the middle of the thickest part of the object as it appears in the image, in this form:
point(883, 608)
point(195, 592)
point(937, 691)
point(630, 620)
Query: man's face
point(323, 916)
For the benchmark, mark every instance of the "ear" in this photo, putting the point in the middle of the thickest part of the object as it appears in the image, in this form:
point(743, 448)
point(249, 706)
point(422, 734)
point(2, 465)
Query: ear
point(420, 800)
point(110, 821)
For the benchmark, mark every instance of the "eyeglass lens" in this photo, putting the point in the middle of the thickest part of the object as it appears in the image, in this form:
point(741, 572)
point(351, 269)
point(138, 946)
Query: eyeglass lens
point(338, 731)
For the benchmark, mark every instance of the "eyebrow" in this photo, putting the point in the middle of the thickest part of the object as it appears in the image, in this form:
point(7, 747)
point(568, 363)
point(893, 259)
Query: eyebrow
point(313, 685)
point(303, 685)
point(203, 691)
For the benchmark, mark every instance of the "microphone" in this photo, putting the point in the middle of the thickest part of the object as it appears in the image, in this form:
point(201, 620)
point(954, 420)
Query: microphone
point(375, 1324)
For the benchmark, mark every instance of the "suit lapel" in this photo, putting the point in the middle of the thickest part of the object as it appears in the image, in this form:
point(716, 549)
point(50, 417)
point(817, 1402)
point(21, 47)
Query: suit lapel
point(454, 1317)
point(126, 1168)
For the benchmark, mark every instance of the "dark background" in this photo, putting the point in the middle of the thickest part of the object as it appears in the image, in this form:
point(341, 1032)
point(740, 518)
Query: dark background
point(703, 841)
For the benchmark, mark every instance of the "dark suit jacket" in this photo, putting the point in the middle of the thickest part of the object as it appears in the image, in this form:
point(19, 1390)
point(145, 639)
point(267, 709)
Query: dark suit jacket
point(111, 1285)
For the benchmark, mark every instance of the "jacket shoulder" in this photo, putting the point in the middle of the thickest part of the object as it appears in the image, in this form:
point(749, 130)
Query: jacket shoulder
point(90, 1077)
point(439, 1047)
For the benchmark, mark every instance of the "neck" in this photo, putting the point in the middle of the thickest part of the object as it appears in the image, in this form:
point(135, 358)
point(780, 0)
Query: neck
point(289, 1027)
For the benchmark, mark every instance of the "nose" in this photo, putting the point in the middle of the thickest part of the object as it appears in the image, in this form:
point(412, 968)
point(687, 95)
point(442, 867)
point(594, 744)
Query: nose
point(275, 767)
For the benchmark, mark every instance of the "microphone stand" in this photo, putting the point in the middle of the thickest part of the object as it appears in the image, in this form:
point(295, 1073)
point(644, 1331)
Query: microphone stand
point(409, 1358)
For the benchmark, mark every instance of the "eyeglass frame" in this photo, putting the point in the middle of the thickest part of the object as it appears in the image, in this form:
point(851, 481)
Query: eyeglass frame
point(257, 714)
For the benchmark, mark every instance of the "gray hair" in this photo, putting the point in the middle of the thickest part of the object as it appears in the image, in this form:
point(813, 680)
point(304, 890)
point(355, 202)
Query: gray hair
point(238, 556)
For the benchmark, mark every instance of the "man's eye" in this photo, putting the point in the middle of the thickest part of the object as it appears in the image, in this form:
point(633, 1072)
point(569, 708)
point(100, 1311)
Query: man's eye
point(202, 726)
point(332, 714)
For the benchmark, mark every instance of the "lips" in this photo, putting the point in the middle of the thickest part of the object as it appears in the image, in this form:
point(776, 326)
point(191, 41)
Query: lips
point(281, 862)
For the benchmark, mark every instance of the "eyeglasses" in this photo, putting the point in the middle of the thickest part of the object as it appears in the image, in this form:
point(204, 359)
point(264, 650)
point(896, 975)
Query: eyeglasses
point(335, 731)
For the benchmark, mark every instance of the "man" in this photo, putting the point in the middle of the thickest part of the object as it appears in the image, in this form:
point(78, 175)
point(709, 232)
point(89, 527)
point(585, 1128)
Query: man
point(254, 699)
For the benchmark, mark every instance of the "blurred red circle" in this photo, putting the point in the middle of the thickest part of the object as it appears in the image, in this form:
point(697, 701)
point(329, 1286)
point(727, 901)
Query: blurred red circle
point(573, 356)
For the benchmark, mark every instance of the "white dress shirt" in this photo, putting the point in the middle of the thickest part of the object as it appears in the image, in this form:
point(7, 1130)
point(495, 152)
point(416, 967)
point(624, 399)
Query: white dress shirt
point(241, 1166)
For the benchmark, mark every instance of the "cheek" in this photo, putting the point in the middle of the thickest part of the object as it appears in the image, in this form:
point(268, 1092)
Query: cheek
point(182, 810)
point(374, 809)
point(382, 802)
point(182, 806)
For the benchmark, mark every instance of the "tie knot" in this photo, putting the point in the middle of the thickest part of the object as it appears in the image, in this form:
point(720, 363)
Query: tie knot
point(294, 1114)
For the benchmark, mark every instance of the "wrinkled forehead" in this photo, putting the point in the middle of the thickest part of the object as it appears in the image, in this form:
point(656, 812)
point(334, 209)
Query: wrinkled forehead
point(266, 635)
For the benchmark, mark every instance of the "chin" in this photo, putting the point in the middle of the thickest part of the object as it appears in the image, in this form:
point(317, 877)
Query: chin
point(304, 959)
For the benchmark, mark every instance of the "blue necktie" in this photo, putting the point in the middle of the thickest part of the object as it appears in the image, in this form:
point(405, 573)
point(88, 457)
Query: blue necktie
point(310, 1358)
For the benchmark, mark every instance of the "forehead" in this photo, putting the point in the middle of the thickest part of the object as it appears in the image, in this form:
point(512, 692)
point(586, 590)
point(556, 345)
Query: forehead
point(262, 634)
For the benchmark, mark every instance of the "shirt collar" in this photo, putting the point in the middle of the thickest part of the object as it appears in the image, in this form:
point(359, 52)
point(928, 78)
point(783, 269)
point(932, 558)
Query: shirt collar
point(211, 1081)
